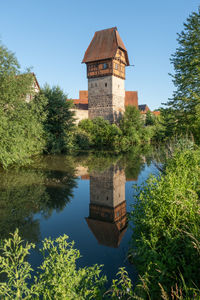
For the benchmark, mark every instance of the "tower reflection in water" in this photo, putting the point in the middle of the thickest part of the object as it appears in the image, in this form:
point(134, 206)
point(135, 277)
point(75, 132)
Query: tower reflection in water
point(107, 212)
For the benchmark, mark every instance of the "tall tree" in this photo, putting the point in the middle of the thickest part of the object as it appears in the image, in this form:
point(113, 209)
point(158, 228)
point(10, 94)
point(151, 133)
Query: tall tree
point(60, 120)
point(186, 61)
point(21, 130)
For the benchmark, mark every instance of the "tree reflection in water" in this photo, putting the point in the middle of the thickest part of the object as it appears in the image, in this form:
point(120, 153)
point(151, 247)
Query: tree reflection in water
point(107, 211)
point(48, 184)
point(41, 188)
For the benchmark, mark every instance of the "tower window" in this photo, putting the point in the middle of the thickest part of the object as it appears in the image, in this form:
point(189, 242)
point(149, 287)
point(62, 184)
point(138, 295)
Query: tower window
point(106, 84)
point(105, 66)
point(116, 66)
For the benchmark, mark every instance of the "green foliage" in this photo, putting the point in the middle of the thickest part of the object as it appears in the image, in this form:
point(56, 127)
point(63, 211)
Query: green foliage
point(46, 186)
point(132, 126)
point(150, 119)
point(21, 130)
point(167, 228)
point(122, 287)
point(184, 105)
point(60, 278)
point(57, 277)
point(105, 136)
point(165, 126)
point(16, 269)
point(82, 139)
point(102, 134)
point(59, 123)
point(8, 62)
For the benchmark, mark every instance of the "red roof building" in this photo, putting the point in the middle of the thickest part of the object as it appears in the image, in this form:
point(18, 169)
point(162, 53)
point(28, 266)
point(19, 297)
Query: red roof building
point(131, 98)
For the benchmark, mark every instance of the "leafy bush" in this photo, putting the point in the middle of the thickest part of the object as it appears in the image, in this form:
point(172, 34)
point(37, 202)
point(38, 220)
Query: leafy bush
point(82, 140)
point(58, 276)
point(21, 128)
point(117, 138)
point(167, 228)
point(150, 119)
point(103, 135)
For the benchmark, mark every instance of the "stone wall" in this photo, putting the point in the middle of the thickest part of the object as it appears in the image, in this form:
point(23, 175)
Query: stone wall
point(106, 96)
point(107, 188)
point(80, 114)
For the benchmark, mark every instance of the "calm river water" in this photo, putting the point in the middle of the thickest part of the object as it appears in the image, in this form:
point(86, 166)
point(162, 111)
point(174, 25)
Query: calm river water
point(87, 197)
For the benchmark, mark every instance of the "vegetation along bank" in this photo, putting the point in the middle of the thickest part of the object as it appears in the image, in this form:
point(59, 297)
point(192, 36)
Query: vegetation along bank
point(166, 215)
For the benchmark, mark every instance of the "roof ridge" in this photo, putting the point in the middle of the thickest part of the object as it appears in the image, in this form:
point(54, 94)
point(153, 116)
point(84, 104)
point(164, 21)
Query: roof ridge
point(104, 45)
point(107, 29)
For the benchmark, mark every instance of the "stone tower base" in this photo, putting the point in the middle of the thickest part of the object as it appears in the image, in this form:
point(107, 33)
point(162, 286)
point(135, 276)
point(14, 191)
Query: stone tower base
point(106, 97)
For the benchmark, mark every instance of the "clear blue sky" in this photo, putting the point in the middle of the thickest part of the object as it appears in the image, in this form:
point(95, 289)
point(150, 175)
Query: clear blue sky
point(52, 35)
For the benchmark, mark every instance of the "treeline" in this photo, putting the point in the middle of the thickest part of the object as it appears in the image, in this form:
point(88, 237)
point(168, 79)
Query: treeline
point(30, 123)
point(181, 114)
point(100, 134)
point(33, 123)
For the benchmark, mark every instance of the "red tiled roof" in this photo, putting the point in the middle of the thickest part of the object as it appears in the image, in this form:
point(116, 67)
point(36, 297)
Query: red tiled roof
point(156, 113)
point(80, 101)
point(104, 45)
point(83, 94)
point(131, 98)
point(85, 177)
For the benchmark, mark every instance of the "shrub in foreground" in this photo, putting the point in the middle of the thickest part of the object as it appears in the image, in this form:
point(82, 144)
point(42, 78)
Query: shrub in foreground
point(58, 277)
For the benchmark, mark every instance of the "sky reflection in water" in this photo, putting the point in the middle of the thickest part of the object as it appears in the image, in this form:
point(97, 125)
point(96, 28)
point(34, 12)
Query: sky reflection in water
point(86, 197)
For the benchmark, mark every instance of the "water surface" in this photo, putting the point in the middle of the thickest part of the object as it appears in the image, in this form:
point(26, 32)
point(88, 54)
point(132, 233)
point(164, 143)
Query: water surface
point(87, 197)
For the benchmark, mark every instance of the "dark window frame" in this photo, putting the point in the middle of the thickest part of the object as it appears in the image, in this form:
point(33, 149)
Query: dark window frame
point(105, 66)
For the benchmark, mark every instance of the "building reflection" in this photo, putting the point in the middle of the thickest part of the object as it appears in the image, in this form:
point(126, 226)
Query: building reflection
point(107, 212)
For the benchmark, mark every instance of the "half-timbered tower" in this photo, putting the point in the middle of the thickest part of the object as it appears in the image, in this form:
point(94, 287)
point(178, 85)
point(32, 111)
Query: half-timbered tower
point(106, 58)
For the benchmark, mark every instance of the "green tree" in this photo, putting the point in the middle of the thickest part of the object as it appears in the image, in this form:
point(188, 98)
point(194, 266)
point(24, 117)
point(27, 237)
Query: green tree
point(103, 135)
point(21, 130)
point(59, 124)
point(186, 61)
point(132, 125)
point(150, 118)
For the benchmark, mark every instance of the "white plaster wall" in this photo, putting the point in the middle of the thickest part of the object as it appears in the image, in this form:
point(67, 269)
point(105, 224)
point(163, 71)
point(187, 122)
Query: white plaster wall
point(80, 114)
point(118, 86)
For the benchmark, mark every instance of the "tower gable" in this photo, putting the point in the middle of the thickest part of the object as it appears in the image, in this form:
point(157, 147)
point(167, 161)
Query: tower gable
point(104, 45)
